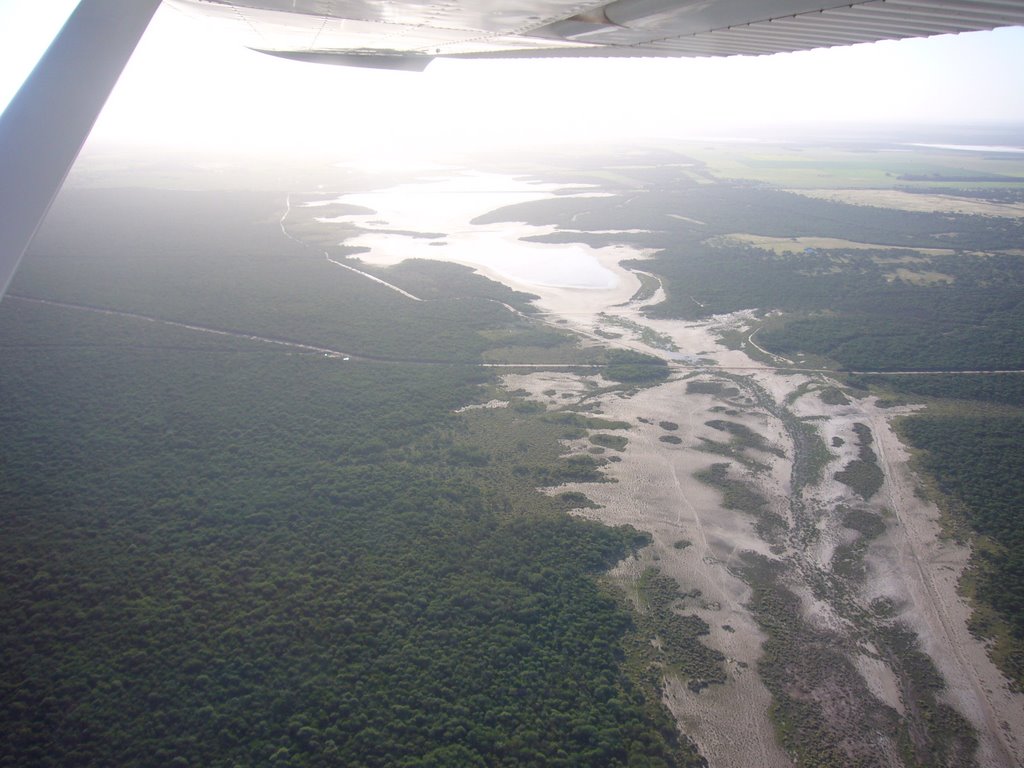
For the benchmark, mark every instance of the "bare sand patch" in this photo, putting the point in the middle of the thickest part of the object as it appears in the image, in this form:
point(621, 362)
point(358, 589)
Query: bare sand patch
point(782, 245)
point(483, 406)
point(910, 201)
point(559, 384)
point(920, 565)
point(926, 569)
point(881, 680)
point(657, 492)
point(920, 277)
point(688, 219)
point(918, 571)
point(911, 565)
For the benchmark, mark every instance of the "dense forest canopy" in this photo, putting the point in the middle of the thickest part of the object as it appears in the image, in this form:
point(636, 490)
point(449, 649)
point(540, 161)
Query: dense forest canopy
point(218, 551)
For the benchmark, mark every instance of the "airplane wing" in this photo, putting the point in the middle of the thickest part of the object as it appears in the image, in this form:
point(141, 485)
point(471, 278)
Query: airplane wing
point(45, 126)
point(48, 120)
point(408, 34)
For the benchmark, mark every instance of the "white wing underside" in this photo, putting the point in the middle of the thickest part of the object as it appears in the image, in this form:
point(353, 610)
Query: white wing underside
point(411, 30)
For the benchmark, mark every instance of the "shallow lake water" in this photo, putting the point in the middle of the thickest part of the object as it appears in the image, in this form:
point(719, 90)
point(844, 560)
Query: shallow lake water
point(404, 218)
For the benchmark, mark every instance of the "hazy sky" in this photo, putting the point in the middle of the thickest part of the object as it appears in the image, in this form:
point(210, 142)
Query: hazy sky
point(188, 87)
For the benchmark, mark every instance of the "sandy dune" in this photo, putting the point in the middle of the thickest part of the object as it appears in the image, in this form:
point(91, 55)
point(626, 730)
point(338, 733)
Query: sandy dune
point(657, 492)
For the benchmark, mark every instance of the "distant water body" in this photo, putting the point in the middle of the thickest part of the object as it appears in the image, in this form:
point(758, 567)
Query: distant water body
point(434, 219)
point(972, 147)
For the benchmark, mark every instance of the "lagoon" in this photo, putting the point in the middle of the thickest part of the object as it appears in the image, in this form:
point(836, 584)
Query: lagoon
point(406, 219)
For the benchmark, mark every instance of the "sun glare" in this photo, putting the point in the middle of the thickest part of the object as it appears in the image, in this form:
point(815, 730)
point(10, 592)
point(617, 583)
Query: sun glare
point(187, 87)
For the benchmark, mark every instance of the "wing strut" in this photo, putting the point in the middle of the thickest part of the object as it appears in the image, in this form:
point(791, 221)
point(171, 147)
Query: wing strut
point(45, 125)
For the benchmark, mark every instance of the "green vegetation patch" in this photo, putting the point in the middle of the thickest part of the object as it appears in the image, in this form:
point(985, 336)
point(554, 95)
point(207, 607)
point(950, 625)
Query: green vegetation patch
point(976, 336)
point(576, 500)
point(575, 469)
point(429, 279)
point(799, 392)
point(848, 559)
point(220, 260)
point(711, 388)
point(647, 335)
point(631, 367)
point(867, 524)
point(833, 396)
point(245, 592)
point(941, 735)
point(863, 475)
point(741, 495)
point(823, 712)
point(649, 285)
point(744, 437)
point(677, 636)
point(530, 343)
point(284, 567)
point(810, 455)
point(569, 418)
point(730, 451)
point(615, 442)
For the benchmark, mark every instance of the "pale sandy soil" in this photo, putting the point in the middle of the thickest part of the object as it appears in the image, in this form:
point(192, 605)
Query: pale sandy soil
point(916, 569)
point(923, 570)
point(798, 244)
point(908, 201)
point(919, 571)
point(881, 680)
point(656, 492)
point(481, 406)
